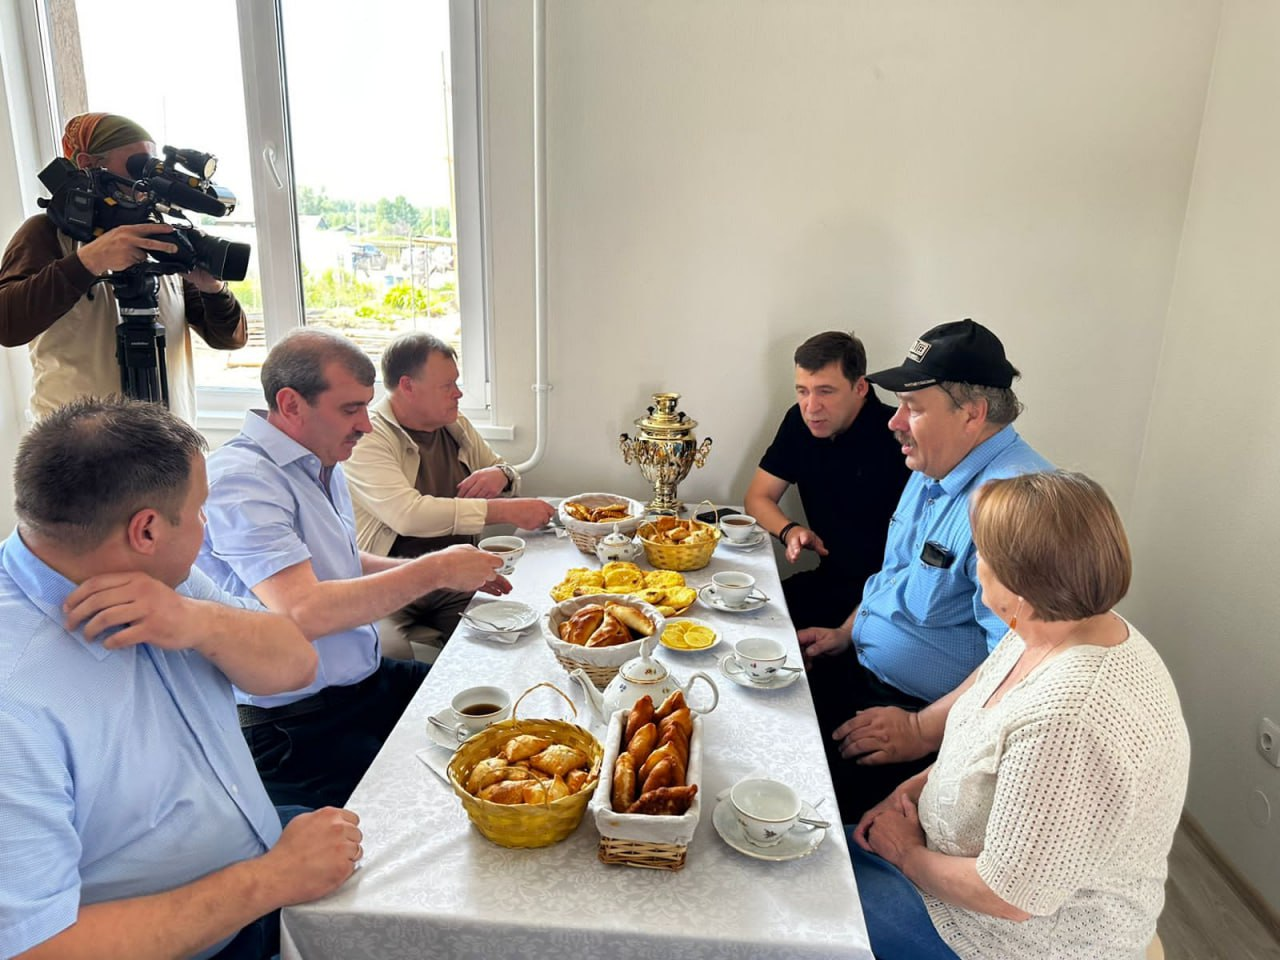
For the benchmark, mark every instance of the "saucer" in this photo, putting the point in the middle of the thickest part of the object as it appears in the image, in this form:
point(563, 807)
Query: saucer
point(746, 544)
point(708, 596)
point(785, 678)
point(438, 736)
point(800, 841)
point(509, 616)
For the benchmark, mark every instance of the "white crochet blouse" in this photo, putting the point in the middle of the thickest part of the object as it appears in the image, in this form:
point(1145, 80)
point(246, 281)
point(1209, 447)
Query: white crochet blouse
point(1068, 792)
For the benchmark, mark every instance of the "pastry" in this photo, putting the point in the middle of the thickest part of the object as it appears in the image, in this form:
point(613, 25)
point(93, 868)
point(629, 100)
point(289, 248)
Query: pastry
point(641, 713)
point(663, 774)
point(642, 744)
point(667, 801)
point(670, 705)
point(524, 746)
point(624, 783)
point(632, 618)
point(682, 718)
point(610, 633)
point(558, 759)
point(667, 751)
point(486, 772)
point(575, 780)
point(504, 791)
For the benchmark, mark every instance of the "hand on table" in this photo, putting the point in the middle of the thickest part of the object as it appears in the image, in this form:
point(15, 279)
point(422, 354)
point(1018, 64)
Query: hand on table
point(802, 538)
point(315, 855)
point(527, 513)
point(882, 735)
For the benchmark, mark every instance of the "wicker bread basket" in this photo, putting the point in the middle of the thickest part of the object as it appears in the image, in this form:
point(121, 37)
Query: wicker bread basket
point(644, 840)
point(586, 535)
point(525, 824)
point(678, 556)
point(600, 664)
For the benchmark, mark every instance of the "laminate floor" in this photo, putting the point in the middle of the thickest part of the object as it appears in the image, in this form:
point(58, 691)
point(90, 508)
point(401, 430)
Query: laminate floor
point(1203, 918)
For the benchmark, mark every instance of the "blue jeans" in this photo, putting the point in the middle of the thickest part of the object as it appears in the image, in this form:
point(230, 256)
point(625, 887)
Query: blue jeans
point(898, 924)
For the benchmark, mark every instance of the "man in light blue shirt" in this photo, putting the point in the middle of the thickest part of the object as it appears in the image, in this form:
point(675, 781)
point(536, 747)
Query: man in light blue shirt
point(133, 814)
point(921, 628)
point(282, 530)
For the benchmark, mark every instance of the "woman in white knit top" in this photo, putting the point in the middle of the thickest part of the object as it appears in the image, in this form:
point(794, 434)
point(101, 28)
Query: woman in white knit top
point(1043, 829)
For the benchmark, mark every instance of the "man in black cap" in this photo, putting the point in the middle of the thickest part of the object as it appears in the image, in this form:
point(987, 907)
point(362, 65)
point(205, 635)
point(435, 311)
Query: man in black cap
point(921, 627)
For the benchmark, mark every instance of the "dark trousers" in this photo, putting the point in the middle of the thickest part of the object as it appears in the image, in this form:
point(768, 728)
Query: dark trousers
point(820, 597)
point(313, 752)
point(841, 686)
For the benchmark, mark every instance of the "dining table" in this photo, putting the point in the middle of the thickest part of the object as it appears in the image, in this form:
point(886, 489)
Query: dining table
point(430, 885)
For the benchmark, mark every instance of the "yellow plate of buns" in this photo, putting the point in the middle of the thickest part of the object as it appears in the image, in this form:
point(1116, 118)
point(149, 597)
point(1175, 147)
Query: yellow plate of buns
point(664, 589)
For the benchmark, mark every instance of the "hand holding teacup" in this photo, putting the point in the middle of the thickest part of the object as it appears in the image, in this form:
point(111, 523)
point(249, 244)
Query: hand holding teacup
point(507, 549)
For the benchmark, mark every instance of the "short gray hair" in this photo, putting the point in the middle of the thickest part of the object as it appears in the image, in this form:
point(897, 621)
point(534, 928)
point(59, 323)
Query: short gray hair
point(1003, 405)
point(84, 470)
point(299, 360)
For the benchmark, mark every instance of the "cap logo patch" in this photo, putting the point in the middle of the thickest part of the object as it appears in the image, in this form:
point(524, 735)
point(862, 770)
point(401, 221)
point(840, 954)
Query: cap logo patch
point(918, 350)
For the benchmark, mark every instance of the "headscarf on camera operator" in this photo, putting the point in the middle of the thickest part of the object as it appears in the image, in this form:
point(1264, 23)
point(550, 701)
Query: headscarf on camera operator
point(48, 299)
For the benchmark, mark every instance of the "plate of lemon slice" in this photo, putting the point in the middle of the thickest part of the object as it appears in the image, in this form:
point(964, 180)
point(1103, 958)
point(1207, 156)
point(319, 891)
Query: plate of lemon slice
point(688, 635)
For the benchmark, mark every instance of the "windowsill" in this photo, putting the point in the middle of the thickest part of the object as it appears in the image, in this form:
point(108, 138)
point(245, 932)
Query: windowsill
point(222, 414)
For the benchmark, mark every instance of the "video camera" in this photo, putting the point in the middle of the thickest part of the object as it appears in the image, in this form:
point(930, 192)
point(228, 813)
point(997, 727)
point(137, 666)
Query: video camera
point(85, 204)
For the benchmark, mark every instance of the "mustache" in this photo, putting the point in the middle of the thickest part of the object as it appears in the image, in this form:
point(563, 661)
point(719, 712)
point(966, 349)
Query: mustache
point(903, 438)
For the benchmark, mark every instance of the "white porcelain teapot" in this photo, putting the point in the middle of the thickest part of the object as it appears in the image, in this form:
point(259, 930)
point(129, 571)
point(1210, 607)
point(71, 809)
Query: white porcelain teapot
point(639, 677)
point(617, 546)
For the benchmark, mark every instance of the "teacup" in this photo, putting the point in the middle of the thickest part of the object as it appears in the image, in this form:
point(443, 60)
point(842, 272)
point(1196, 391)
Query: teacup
point(733, 587)
point(507, 549)
point(738, 527)
point(477, 707)
point(766, 809)
point(760, 657)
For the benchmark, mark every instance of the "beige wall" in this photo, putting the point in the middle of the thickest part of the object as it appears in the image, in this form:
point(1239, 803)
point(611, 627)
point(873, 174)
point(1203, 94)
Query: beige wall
point(728, 177)
point(1206, 512)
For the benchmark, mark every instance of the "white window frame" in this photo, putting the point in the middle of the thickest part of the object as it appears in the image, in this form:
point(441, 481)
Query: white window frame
point(275, 210)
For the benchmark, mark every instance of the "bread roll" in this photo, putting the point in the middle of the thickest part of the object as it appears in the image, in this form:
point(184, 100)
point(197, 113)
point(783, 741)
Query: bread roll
point(583, 624)
point(624, 783)
point(641, 713)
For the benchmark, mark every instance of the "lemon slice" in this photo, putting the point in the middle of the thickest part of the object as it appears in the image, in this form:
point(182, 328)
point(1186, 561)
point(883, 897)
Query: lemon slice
point(697, 637)
point(674, 636)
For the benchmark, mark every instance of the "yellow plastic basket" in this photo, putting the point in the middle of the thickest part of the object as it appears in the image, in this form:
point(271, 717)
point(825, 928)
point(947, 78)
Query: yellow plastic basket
point(524, 824)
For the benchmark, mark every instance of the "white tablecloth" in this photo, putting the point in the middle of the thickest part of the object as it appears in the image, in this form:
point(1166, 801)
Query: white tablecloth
point(432, 886)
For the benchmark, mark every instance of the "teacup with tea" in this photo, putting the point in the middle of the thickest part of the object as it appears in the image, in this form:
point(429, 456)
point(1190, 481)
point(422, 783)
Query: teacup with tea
point(739, 527)
point(476, 707)
point(507, 549)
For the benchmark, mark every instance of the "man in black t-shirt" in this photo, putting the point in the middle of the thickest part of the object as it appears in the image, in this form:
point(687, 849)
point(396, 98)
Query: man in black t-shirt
point(836, 447)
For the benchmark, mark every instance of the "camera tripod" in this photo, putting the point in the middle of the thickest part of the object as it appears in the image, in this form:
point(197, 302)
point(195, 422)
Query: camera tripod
point(140, 339)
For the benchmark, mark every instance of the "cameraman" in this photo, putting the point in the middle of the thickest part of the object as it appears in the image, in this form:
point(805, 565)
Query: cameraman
point(49, 300)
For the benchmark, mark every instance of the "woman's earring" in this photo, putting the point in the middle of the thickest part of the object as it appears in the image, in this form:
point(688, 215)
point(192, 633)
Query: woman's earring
point(1013, 624)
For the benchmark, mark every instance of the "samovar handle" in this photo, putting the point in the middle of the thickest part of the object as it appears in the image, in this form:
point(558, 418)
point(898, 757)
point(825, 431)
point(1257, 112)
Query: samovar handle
point(625, 444)
point(704, 448)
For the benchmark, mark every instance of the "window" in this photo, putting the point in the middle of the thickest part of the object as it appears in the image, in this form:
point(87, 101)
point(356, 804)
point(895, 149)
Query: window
point(353, 156)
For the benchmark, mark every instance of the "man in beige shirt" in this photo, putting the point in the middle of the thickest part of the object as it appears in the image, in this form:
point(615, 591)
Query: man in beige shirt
point(425, 479)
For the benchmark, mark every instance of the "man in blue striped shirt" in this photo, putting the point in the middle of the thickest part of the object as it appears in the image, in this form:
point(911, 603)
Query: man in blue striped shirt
point(134, 821)
point(921, 627)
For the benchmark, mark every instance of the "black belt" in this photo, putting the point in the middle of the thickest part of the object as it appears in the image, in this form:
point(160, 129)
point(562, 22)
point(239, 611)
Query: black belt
point(251, 716)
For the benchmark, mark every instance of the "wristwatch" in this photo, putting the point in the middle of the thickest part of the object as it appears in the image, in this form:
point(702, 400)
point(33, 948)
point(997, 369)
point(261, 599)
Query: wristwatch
point(509, 472)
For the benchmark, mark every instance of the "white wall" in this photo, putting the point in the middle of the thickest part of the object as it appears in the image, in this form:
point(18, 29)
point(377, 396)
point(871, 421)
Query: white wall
point(1206, 511)
point(727, 177)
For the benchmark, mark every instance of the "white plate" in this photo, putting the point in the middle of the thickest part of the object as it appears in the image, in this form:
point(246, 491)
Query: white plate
point(798, 842)
point(702, 623)
point(753, 602)
point(746, 544)
point(509, 616)
point(785, 678)
point(438, 736)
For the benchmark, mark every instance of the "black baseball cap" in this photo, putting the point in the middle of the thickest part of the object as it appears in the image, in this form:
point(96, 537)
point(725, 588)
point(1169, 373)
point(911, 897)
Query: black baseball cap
point(959, 352)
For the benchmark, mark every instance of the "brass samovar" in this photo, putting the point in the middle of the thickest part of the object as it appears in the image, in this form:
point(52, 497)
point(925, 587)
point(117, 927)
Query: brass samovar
point(666, 449)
